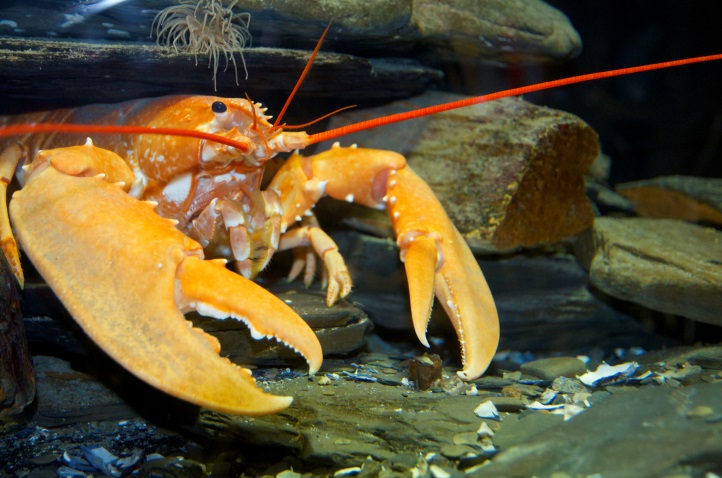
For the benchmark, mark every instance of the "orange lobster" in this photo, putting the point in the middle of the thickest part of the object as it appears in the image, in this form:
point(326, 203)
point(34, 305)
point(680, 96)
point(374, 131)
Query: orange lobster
point(131, 273)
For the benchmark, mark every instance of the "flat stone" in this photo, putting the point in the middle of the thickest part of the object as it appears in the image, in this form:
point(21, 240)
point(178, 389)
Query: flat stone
point(676, 197)
point(665, 265)
point(551, 368)
point(456, 451)
point(107, 78)
point(340, 329)
point(513, 172)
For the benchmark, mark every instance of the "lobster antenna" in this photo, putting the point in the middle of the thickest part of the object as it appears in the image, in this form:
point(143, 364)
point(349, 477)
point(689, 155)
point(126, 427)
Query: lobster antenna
point(305, 71)
point(30, 128)
point(418, 113)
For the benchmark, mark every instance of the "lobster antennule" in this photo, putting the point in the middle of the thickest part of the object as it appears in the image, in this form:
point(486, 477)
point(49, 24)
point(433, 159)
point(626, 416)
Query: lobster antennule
point(421, 112)
point(307, 68)
point(30, 128)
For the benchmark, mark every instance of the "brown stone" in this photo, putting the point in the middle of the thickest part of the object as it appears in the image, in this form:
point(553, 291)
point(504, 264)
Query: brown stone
point(425, 371)
point(676, 197)
point(17, 380)
point(509, 174)
point(663, 264)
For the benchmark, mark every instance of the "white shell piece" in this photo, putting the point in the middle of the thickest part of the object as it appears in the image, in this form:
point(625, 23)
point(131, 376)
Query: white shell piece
point(484, 430)
point(438, 472)
point(487, 410)
point(352, 471)
point(606, 372)
point(548, 396)
point(540, 406)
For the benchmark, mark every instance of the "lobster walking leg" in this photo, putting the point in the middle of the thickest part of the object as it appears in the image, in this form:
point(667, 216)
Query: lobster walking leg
point(130, 275)
point(437, 259)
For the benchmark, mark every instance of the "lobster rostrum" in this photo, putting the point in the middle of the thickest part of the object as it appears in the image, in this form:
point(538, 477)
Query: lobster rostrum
point(133, 229)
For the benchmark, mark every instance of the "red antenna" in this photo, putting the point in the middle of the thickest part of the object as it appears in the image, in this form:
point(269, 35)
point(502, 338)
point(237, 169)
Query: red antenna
point(353, 128)
point(305, 71)
point(418, 113)
point(30, 128)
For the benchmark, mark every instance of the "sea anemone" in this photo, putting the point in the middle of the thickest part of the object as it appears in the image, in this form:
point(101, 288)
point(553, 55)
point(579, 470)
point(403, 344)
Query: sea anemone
point(205, 27)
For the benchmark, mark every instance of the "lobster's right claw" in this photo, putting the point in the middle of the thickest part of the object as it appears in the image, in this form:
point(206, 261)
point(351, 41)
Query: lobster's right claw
point(126, 275)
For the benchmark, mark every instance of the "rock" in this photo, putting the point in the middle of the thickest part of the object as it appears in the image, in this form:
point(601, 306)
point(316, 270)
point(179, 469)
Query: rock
point(546, 293)
point(645, 432)
point(523, 30)
point(340, 329)
point(676, 197)
point(528, 30)
point(512, 175)
point(17, 380)
point(568, 385)
point(425, 371)
point(665, 265)
point(272, 73)
point(551, 368)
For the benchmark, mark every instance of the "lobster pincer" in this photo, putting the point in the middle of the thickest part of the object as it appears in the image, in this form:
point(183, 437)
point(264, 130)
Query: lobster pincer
point(127, 276)
point(438, 261)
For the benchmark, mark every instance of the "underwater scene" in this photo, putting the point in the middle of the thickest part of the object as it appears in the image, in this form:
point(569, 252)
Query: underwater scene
point(381, 238)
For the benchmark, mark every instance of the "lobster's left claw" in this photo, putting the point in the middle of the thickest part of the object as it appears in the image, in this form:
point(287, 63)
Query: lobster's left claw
point(126, 275)
point(437, 258)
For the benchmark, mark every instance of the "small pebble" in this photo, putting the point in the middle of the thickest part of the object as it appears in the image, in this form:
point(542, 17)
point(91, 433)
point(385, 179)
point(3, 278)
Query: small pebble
point(567, 385)
point(425, 371)
point(551, 368)
point(455, 451)
point(465, 438)
point(700, 411)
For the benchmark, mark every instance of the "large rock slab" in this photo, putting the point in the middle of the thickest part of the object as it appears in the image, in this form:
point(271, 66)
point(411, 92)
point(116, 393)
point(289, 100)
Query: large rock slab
point(509, 174)
point(82, 73)
point(498, 30)
point(489, 29)
point(645, 433)
point(665, 265)
point(676, 197)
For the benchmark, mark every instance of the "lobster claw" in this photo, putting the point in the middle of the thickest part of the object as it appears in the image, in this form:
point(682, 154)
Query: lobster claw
point(127, 275)
point(438, 261)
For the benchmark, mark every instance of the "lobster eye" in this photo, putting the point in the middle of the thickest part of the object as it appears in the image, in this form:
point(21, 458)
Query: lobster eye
point(219, 107)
